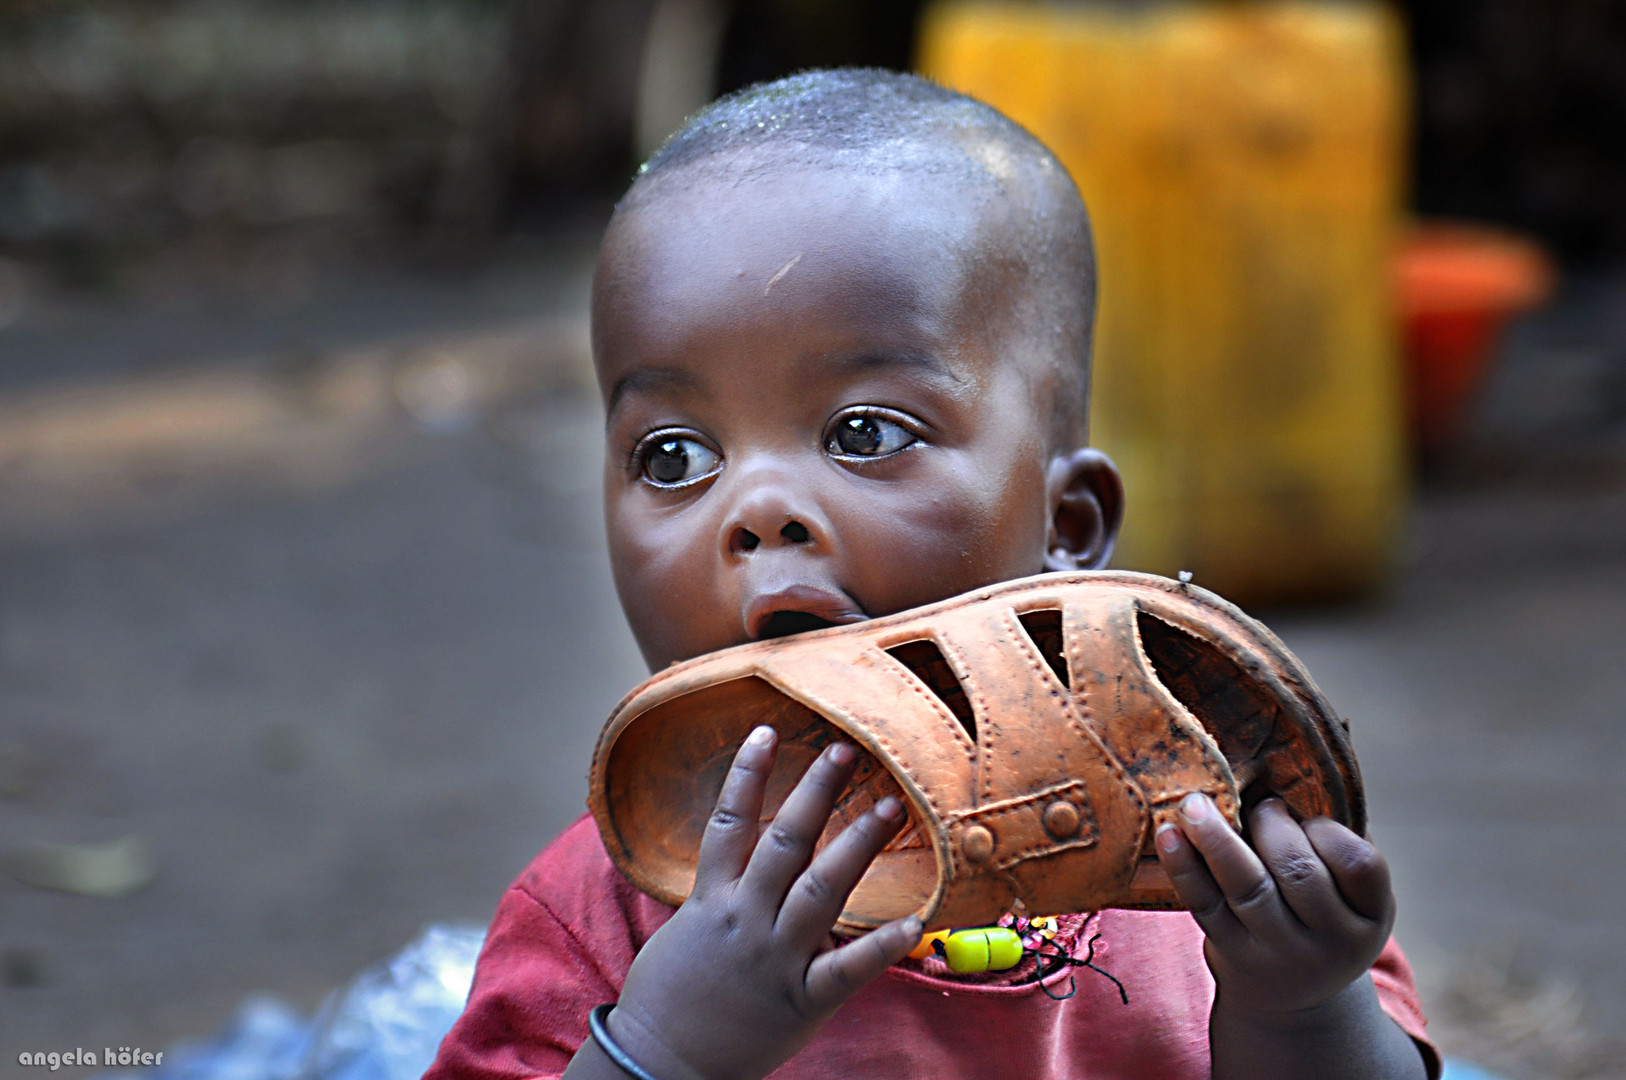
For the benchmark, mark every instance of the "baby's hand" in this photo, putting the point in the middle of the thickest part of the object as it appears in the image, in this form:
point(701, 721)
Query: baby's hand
point(745, 972)
point(1292, 921)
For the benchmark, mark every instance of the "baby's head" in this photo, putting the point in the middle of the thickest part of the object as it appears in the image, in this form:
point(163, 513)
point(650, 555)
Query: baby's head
point(842, 323)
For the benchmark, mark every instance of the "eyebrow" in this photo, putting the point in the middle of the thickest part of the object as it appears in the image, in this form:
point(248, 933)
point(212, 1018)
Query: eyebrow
point(925, 363)
point(648, 380)
point(654, 380)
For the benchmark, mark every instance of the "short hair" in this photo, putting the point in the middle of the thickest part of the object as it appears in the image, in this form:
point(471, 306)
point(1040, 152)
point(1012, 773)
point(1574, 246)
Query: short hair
point(874, 120)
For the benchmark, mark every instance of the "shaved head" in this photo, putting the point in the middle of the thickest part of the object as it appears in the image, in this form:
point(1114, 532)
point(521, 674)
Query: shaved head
point(1033, 261)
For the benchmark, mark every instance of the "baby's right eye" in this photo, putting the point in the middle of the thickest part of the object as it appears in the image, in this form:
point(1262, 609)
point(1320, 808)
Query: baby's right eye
point(675, 460)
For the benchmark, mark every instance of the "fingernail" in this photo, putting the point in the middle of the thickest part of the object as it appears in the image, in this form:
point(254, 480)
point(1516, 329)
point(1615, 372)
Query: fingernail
point(761, 735)
point(840, 753)
point(888, 808)
point(1196, 808)
point(913, 926)
point(1168, 839)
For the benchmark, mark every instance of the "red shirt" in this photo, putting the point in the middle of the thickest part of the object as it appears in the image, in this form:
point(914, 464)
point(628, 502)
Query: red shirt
point(567, 930)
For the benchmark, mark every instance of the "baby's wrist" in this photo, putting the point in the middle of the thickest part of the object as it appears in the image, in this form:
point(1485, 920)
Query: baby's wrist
point(1344, 1038)
point(1294, 1018)
point(638, 1039)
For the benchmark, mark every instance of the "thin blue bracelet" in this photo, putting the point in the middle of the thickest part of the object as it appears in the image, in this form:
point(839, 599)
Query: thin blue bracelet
point(612, 1049)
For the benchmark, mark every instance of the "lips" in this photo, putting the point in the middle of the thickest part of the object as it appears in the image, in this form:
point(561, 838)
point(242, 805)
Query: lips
point(785, 623)
point(799, 608)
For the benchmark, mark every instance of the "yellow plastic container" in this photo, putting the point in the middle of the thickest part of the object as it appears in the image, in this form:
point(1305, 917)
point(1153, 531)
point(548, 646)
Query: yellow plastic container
point(1243, 166)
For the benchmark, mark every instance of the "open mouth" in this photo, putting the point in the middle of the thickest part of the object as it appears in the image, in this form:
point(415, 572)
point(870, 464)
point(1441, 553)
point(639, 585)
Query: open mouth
point(784, 623)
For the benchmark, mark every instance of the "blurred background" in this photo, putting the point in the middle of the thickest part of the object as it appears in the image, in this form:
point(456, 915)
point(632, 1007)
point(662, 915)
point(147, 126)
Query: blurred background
point(306, 628)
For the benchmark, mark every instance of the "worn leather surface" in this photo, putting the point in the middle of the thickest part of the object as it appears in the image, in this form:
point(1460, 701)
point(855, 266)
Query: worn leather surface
point(1037, 731)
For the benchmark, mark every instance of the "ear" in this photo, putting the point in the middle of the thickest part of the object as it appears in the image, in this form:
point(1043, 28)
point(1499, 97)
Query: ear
point(1086, 508)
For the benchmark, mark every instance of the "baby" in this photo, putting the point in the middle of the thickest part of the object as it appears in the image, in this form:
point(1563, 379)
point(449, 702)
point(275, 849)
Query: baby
point(842, 325)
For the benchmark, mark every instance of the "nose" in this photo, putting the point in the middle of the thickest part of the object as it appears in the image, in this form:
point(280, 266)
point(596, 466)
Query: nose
point(769, 510)
point(743, 539)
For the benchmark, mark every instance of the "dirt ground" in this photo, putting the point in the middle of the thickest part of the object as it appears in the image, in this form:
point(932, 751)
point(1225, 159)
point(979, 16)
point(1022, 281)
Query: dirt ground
point(305, 620)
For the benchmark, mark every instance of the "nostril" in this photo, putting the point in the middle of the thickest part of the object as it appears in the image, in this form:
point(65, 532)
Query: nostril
point(795, 532)
point(744, 540)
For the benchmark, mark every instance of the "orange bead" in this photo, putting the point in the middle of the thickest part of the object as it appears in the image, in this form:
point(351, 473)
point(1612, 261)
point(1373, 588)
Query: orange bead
point(925, 949)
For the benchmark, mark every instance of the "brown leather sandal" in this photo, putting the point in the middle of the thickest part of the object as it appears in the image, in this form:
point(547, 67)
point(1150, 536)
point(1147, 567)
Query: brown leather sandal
point(1037, 731)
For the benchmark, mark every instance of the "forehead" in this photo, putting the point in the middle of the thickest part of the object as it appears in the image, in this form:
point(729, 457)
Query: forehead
point(897, 259)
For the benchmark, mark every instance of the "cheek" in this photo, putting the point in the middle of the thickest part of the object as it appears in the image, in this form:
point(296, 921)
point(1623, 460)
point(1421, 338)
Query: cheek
point(1000, 527)
point(969, 530)
point(665, 576)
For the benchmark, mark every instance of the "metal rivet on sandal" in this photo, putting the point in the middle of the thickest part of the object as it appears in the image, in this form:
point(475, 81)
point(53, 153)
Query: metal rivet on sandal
point(1061, 819)
point(978, 844)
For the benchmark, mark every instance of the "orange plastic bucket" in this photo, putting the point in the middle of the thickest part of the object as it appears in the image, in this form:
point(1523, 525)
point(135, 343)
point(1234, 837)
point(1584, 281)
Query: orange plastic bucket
point(1459, 285)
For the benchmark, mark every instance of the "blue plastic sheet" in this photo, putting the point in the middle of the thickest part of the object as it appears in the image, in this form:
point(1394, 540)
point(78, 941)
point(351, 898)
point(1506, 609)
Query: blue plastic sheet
point(1461, 1070)
point(385, 1025)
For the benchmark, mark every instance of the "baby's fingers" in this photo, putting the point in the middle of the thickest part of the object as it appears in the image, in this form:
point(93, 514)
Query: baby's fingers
point(818, 896)
point(1197, 889)
point(784, 850)
point(842, 972)
point(1302, 877)
point(1247, 887)
point(731, 832)
point(1359, 869)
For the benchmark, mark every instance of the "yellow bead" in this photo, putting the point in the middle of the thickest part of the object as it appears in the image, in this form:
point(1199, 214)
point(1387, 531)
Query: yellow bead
point(988, 948)
point(1004, 949)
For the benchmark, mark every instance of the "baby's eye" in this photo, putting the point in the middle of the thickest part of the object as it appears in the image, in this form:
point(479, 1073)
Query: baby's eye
point(674, 460)
point(869, 436)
